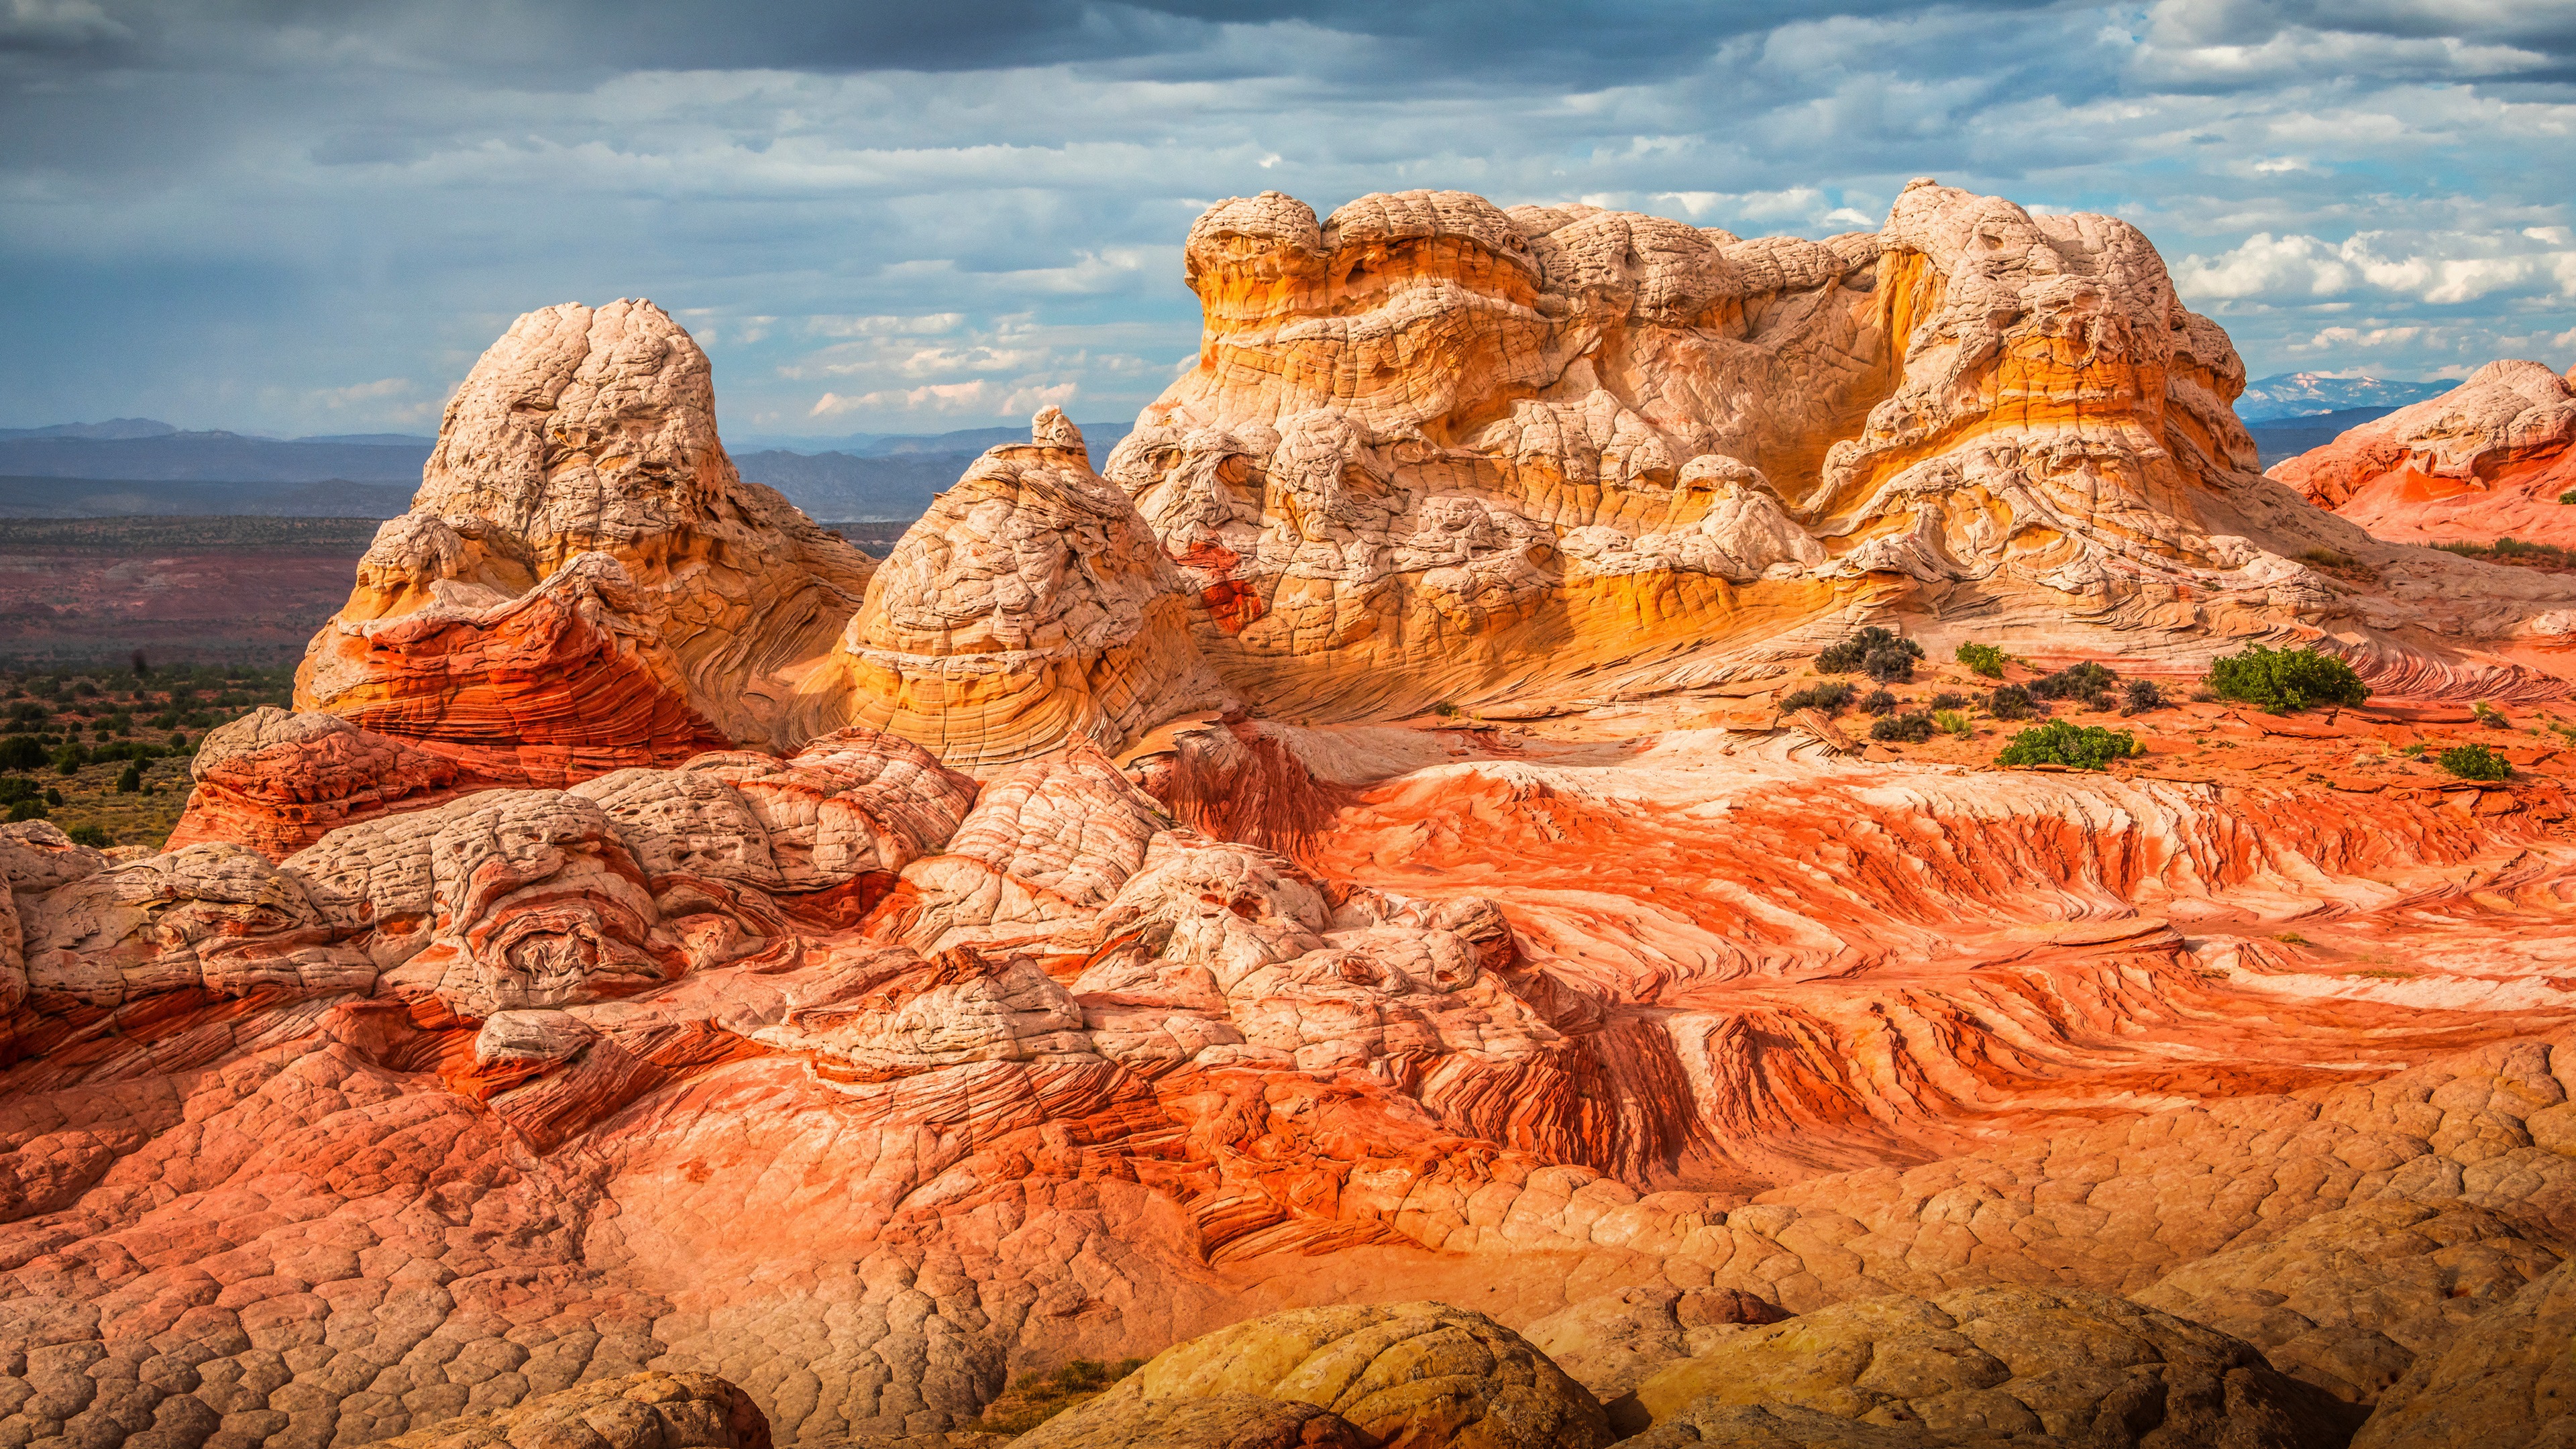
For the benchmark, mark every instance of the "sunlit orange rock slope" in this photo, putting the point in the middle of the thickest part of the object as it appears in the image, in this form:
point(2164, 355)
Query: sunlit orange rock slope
point(2489, 459)
point(663, 940)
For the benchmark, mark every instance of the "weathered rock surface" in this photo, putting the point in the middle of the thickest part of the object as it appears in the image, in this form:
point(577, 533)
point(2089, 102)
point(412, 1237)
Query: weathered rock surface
point(2000, 1362)
point(2486, 460)
point(2348, 1300)
point(1610, 1344)
point(1434, 451)
point(2504, 1379)
point(582, 576)
point(1408, 1375)
point(1031, 606)
point(669, 948)
point(638, 1411)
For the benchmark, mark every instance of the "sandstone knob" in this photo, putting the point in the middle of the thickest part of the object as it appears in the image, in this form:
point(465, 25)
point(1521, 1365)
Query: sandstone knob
point(1413, 1375)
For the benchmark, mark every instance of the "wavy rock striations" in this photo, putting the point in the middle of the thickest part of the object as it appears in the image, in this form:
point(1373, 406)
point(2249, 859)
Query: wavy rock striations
point(582, 574)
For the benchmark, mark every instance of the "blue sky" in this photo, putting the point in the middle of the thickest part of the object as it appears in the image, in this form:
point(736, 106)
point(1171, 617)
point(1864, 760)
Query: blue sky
point(297, 217)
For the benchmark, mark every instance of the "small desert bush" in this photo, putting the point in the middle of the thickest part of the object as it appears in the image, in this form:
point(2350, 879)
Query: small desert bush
point(2088, 682)
point(2281, 680)
point(2141, 696)
point(1832, 697)
point(1983, 659)
point(1878, 701)
point(2013, 702)
point(2475, 762)
point(2085, 747)
point(1911, 729)
point(1882, 654)
point(1954, 721)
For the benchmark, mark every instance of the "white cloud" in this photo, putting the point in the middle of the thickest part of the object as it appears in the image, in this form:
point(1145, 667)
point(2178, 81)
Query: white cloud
point(2443, 269)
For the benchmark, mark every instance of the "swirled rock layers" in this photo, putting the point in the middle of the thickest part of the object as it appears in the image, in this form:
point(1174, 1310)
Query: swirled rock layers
point(582, 567)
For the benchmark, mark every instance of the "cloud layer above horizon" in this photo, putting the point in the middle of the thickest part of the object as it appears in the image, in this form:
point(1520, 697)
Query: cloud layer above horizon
point(301, 217)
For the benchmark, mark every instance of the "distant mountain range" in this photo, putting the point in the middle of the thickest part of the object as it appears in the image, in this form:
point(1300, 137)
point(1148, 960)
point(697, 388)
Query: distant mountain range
point(137, 466)
point(2313, 394)
point(2289, 437)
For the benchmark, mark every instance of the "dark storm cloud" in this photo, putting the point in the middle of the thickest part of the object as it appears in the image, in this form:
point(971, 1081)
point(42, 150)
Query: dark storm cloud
point(310, 217)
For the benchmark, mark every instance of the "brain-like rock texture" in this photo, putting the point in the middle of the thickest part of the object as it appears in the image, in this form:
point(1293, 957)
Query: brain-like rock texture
point(1031, 606)
point(1410, 1375)
point(2503, 1380)
point(1613, 1342)
point(638, 1411)
point(664, 943)
point(1998, 1362)
point(2486, 460)
point(583, 577)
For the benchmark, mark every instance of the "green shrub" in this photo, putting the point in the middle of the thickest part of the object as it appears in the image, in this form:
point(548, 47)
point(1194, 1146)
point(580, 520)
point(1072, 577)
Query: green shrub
point(1955, 721)
point(2568, 497)
point(1911, 729)
point(1883, 654)
point(27, 810)
point(130, 780)
point(93, 836)
point(2281, 680)
point(1878, 701)
point(2475, 762)
point(2086, 747)
point(1983, 659)
point(1833, 697)
point(2490, 716)
point(2012, 702)
point(69, 759)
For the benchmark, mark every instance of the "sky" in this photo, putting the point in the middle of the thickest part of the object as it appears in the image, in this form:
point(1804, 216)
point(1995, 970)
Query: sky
point(303, 217)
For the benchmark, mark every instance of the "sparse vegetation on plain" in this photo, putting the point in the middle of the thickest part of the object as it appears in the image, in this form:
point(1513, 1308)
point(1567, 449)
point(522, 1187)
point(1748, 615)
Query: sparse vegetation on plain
point(2339, 565)
point(2088, 684)
point(103, 750)
point(1035, 1398)
point(2514, 553)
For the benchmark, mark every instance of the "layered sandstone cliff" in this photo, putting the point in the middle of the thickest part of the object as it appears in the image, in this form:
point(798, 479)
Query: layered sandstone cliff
point(1438, 451)
point(2489, 459)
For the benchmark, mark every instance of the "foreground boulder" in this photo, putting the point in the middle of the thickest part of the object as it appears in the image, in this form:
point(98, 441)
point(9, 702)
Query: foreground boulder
point(2505, 1381)
point(2349, 1299)
point(1611, 1343)
point(1407, 1375)
point(1993, 1363)
point(639, 1411)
